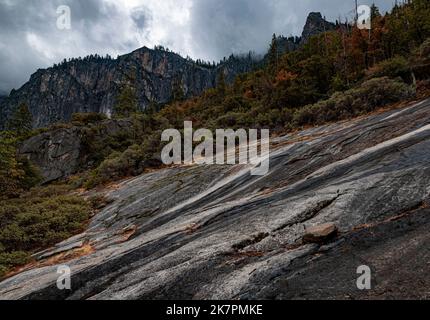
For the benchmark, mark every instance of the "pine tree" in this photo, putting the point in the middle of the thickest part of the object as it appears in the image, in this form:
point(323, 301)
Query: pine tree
point(221, 86)
point(177, 90)
point(21, 121)
point(126, 102)
point(152, 108)
point(374, 12)
point(273, 56)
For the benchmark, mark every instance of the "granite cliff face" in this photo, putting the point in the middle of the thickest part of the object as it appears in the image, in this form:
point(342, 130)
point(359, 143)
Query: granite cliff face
point(92, 85)
point(316, 24)
point(287, 44)
point(61, 152)
point(216, 232)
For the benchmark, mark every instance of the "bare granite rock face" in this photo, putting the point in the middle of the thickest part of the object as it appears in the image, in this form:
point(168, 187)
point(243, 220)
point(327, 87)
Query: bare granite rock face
point(216, 232)
point(316, 24)
point(92, 85)
point(57, 153)
point(61, 152)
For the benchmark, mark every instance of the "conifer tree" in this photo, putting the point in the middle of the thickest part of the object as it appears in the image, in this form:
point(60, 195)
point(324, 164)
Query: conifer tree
point(221, 85)
point(126, 102)
point(21, 121)
point(177, 90)
point(273, 56)
point(374, 12)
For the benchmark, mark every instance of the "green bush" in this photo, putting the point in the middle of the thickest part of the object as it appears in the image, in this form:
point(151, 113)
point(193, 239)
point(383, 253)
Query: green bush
point(118, 165)
point(39, 219)
point(421, 61)
point(99, 145)
point(424, 51)
point(16, 174)
point(230, 120)
point(392, 68)
point(368, 96)
point(10, 260)
point(131, 162)
point(79, 119)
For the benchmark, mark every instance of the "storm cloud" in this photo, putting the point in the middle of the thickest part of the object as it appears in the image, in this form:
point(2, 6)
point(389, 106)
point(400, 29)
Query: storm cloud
point(205, 29)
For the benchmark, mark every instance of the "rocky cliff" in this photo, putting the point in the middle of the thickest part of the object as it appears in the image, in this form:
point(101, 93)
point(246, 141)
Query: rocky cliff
point(61, 152)
point(92, 84)
point(336, 198)
point(287, 44)
point(315, 24)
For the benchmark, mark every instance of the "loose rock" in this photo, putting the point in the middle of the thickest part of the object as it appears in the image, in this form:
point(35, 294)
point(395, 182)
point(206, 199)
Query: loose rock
point(320, 234)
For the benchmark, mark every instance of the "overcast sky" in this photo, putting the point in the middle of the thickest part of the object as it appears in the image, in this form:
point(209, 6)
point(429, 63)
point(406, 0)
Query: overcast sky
point(205, 29)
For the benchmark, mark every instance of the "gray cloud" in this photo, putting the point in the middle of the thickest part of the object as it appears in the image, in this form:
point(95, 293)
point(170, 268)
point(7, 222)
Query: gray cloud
point(141, 17)
point(207, 29)
point(224, 26)
point(30, 39)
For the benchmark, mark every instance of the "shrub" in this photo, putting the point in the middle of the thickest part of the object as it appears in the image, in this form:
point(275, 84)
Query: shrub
point(421, 61)
point(368, 96)
point(16, 174)
point(381, 91)
point(392, 68)
point(272, 118)
point(235, 103)
point(40, 218)
point(79, 119)
point(10, 260)
point(230, 120)
point(98, 143)
point(131, 162)
point(118, 165)
point(424, 51)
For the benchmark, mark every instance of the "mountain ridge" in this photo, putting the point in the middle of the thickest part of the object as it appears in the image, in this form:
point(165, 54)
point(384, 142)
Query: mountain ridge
point(315, 24)
point(93, 83)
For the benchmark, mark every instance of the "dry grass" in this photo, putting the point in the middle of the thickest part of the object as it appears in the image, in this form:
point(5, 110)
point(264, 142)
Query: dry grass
point(57, 259)
point(128, 233)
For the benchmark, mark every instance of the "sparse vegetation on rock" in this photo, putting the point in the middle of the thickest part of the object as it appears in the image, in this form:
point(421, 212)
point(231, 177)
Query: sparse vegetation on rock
point(37, 219)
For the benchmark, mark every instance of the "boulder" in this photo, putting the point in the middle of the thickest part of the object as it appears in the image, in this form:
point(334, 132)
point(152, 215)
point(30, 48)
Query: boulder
point(61, 152)
point(320, 233)
point(56, 153)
